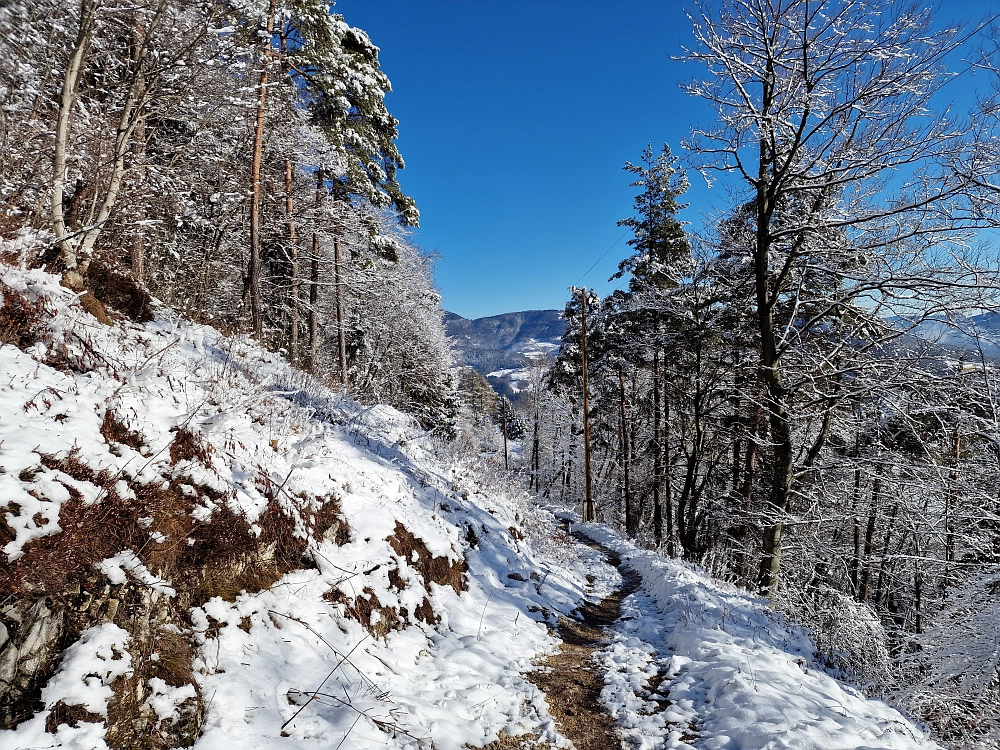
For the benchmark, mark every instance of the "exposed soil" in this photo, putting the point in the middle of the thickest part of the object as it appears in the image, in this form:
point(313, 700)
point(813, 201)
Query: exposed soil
point(572, 682)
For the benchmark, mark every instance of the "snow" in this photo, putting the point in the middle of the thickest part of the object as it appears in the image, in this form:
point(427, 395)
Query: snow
point(290, 667)
point(164, 699)
point(88, 668)
point(737, 675)
point(125, 563)
point(84, 678)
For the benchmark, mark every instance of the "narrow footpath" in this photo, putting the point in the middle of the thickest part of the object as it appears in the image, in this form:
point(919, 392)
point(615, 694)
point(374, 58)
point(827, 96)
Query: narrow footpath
point(571, 679)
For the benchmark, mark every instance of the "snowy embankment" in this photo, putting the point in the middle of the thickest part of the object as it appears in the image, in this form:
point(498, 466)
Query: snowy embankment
point(730, 674)
point(202, 544)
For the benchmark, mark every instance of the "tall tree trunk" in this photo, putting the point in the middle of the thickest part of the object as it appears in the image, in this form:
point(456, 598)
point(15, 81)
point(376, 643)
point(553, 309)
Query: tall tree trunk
point(313, 312)
point(668, 489)
point(950, 501)
point(880, 583)
point(67, 101)
point(536, 447)
point(338, 286)
point(589, 511)
point(313, 321)
point(630, 525)
point(254, 270)
point(657, 451)
point(138, 255)
point(130, 118)
point(873, 510)
point(854, 569)
point(293, 252)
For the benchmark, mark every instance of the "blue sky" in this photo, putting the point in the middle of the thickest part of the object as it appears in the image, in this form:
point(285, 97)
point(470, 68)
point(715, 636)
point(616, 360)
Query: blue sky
point(515, 121)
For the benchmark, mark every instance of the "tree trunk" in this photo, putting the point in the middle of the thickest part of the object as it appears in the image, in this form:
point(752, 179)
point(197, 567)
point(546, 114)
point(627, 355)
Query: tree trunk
point(884, 564)
point(314, 282)
point(131, 116)
point(535, 453)
point(873, 509)
point(630, 526)
point(293, 253)
point(254, 270)
point(854, 570)
point(589, 511)
point(67, 100)
point(657, 451)
point(341, 332)
point(313, 312)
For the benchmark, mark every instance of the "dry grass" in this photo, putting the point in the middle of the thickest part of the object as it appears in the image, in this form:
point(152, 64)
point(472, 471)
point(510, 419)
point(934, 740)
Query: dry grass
point(116, 430)
point(21, 321)
point(440, 570)
point(71, 715)
point(329, 523)
point(120, 291)
point(361, 608)
point(189, 446)
point(505, 741)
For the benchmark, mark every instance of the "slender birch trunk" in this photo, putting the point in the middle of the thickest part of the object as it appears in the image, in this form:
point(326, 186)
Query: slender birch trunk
point(67, 100)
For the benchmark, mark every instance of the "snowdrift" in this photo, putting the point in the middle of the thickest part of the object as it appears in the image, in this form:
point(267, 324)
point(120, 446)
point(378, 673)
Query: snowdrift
point(731, 674)
point(202, 545)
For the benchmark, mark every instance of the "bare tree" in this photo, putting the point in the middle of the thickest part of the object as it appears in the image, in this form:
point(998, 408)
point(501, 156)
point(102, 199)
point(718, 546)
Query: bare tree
point(856, 181)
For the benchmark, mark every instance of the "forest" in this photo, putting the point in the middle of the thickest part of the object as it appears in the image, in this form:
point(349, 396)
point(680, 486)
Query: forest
point(758, 398)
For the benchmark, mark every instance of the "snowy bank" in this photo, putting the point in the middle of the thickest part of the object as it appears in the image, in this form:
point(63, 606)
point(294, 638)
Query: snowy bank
point(202, 544)
point(734, 674)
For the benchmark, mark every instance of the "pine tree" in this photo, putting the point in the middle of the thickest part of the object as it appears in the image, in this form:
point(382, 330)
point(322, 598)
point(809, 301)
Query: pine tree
point(659, 237)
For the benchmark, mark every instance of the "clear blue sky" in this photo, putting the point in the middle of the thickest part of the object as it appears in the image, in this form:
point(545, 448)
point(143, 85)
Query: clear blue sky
point(515, 120)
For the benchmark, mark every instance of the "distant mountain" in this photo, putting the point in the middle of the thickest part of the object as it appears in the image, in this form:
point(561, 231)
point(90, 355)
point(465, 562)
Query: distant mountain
point(499, 346)
point(967, 334)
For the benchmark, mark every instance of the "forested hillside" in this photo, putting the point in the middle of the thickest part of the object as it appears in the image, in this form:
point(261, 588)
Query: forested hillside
point(771, 395)
point(258, 489)
point(239, 162)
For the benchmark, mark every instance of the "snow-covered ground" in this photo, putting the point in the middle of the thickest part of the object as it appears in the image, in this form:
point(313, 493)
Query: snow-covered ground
point(735, 676)
point(521, 379)
point(439, 657)
point(424, 604)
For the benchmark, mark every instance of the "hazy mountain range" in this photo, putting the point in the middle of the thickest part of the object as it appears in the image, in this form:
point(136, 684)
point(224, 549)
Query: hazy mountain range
point(499, 346)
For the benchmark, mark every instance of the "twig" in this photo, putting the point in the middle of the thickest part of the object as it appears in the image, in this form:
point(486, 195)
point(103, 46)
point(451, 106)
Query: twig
point(483, 616)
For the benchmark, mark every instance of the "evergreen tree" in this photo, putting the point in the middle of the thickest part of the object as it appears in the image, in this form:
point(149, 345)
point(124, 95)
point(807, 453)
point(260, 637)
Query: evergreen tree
point(659, 238)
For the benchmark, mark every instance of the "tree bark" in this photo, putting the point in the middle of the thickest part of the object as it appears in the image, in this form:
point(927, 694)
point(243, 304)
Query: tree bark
point(657, 451)
point(338, 286)
point(67, 100)
point(293, 252)
point(314, 282)
point(869, 547)
point(630, 526)
point(589, 511)
point(254, 269)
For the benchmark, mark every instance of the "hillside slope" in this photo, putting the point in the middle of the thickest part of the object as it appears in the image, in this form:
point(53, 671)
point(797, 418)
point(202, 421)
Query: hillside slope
point(203, 544)
point(205, 547)
point(501, 341)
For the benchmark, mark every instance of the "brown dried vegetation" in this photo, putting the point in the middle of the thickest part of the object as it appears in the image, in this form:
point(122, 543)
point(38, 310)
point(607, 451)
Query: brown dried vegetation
point(366, 609)
point(189, 446)
point(202, 559)
point(120, 291)
point(20, 320)
point(440, 570)
point(116, 430)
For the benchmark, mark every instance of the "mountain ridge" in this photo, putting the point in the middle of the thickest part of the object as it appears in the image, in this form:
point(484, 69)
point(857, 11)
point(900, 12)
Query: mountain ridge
point(496, 342)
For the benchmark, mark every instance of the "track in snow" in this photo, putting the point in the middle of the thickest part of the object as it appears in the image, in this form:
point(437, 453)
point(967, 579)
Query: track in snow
point(572, 679)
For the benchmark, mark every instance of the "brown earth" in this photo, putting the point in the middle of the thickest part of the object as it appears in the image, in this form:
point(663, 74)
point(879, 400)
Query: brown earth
point(571, 681)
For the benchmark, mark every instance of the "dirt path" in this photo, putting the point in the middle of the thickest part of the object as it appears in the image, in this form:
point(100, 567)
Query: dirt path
point(572, 683)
